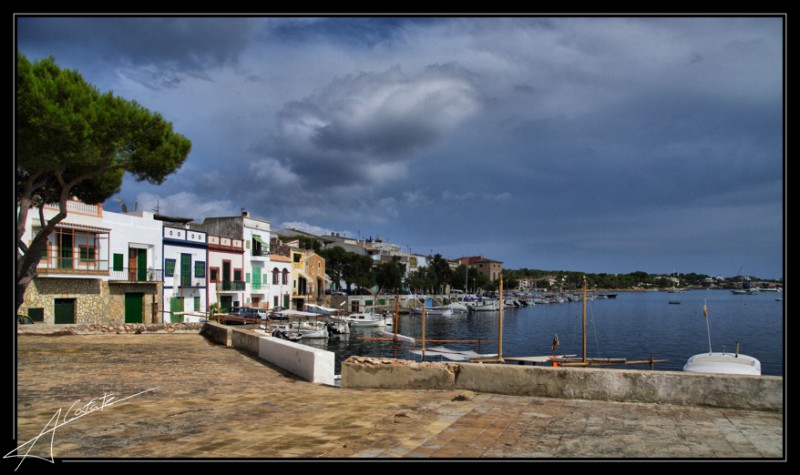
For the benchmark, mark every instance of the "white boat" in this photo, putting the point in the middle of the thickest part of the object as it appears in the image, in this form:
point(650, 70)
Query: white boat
point(485, 306)
point(722, 363)
point(366, 319)
point(429, 311)
point(745, 291)
point(457, 307)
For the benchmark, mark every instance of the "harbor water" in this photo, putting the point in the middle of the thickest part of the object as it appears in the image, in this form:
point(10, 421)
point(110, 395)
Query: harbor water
point(634, 325)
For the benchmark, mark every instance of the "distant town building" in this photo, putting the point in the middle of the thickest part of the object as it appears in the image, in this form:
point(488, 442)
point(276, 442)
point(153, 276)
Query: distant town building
point(488, 267)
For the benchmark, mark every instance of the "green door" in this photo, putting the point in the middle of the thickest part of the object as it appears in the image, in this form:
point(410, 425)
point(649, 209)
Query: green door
point(256, 278)
point(134, 307)
point(286, 301)
point(225, 303)
point(64, 311)
point(176, 305)
point(186, 270)
point(141, 265)
point(65, 251)
point(226, 276)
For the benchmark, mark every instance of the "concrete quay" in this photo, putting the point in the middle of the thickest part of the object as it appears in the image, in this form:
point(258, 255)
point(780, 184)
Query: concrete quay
point(207, 400)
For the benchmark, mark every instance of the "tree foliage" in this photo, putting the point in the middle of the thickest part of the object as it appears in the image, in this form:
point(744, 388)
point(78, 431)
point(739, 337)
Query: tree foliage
point(72, 140)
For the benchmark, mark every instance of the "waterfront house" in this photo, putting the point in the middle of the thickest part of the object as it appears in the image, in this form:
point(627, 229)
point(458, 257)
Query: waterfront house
point(225, 263)
point(135, 281)
point(71, 283)
point(255, 235)
point(185, 253)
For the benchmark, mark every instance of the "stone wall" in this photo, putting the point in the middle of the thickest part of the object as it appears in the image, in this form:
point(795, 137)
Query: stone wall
point(93, 329)
point(659, 387)
point(96, 301)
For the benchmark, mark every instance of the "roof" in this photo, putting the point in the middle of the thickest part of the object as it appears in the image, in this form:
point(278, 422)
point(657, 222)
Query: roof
point(279, 258)
point(82, 227)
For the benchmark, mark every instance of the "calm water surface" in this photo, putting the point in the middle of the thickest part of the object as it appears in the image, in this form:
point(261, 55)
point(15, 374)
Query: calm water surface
point(634, 326)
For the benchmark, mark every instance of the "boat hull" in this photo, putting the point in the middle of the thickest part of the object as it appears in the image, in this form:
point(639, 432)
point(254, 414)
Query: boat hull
point(723, 363)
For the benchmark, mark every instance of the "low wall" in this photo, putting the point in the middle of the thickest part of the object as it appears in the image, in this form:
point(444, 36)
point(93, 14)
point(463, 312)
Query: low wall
point(311, 364)
point(98, 329)
point(246, 340)
point(218, 332)
point(660, 387)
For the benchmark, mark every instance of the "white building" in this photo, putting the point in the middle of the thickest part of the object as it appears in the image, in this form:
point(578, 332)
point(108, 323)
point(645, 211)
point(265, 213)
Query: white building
point(225, 267)
point(71, 285)
point(281, 281)
point(255, 235)
point(185, 253)
point(135, 271)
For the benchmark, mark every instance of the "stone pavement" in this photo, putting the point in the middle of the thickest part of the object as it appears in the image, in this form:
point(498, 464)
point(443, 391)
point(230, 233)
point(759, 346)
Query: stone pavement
point(209, 401)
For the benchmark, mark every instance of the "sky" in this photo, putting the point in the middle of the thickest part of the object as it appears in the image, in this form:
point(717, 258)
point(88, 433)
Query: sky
point(593, 144)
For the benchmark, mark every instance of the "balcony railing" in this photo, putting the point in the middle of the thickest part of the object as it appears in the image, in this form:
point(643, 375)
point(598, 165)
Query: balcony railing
point(137, 275)
point(259, 286)
point(260, 253)
point(72, 265)
point(232, 285)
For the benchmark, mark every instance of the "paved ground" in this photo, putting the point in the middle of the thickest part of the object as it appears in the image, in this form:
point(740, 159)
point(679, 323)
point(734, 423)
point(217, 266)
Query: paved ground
point(215, 402)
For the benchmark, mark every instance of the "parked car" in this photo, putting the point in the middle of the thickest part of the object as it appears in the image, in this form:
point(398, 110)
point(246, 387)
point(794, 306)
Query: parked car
point(250, 312)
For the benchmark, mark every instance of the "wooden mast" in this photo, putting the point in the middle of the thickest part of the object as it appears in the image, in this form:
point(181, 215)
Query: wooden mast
point(583, 360)
point(500, 324)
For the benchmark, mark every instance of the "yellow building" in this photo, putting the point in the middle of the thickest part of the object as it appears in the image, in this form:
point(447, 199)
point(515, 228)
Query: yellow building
point(308, 277)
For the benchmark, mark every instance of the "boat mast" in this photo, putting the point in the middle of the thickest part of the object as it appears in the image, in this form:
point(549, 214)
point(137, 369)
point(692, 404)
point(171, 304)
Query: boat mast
point(584, 320)
point(708, 328)
point(500, 324)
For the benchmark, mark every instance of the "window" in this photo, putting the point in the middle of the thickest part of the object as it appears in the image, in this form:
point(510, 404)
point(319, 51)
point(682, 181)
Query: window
point(169, 267)
point(199, 269)
point(275, 278)
point(213, 274)
point(285, 279)
point(237, 275)
point(197, 302)
point(247, 277)
point(119, 262)
point(36, 314)
point(86, 253)
point(296, 257)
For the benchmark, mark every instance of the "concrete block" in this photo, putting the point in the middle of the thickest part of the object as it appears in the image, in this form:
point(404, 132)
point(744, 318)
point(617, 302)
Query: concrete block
point(311, 364)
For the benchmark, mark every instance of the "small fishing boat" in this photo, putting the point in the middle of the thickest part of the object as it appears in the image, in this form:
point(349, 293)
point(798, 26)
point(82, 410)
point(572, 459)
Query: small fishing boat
point(443, 311)
point(722, 363)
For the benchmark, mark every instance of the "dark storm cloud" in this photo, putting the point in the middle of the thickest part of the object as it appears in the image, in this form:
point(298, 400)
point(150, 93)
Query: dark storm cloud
point(362, 129)
point(185, 43)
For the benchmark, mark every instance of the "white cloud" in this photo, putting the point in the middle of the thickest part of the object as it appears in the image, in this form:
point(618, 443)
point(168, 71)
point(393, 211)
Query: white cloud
point(186, 205)
point(272, 171)
point(313, 229)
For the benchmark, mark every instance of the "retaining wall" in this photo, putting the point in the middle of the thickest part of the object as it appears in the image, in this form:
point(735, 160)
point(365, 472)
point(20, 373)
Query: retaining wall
point(660, 387)
point(311, 364)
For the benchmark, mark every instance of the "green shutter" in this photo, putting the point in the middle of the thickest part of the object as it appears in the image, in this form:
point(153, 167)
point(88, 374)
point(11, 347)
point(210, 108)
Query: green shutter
point(197, 303)
point(200, 269)
point(186, 270)
point(119, 262)
point(169, 267)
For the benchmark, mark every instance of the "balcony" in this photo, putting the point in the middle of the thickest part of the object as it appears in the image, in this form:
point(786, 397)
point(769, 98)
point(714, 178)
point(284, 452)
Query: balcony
point(232, 286)
point(72, 265)
point(259, 287)
point(136, 275)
